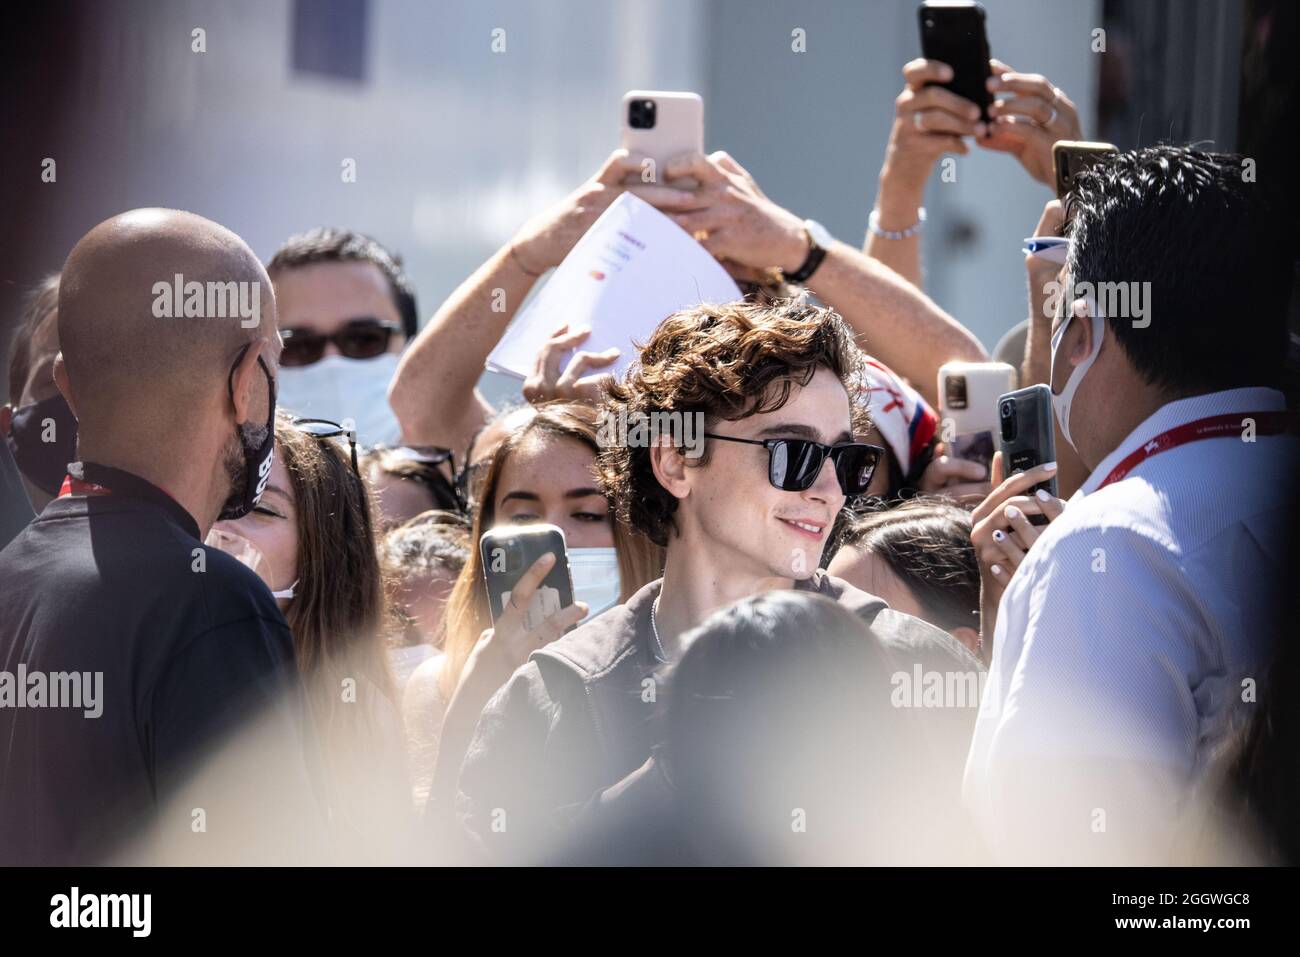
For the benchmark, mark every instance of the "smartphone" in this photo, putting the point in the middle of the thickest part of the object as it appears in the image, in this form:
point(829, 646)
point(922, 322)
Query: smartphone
point(510, 550)
point(968, 406)
point(1069, 157)
point(661, 125)
point(953, 33)
point(1028, 438)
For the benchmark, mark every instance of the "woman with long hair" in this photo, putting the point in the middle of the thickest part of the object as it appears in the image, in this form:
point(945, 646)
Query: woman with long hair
point(542, 471)
point(312, 540)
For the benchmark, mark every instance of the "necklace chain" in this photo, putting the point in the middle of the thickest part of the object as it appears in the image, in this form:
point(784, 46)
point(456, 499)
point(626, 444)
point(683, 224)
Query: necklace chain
point(654, 627)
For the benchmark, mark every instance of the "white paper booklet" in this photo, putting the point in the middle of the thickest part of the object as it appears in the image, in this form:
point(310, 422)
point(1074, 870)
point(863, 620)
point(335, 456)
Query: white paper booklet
point(629, 272)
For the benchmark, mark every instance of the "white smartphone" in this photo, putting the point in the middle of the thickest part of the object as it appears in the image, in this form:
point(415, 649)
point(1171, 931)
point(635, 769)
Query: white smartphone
point(661, 125)
point(968, 407)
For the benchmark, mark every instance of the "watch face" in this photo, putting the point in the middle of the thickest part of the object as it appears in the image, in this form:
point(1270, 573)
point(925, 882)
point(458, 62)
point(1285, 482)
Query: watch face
point(821, 236)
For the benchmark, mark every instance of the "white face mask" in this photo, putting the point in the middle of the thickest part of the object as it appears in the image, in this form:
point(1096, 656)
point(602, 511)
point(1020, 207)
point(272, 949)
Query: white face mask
point(243, 550)
point(596, 579)
point(1062, 402)
point(338, 388)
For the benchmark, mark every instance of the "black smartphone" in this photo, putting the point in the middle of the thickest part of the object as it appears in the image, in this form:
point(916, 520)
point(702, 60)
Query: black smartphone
point(1028, 437)
point(510, 550)
point(1071, 157)
point(953, 33)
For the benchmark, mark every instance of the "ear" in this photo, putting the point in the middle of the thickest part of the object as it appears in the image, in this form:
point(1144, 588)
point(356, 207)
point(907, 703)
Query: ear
point(669, 466)
point(1079, 344)
point(970, 638)
point(244, 381)
point(64, 383)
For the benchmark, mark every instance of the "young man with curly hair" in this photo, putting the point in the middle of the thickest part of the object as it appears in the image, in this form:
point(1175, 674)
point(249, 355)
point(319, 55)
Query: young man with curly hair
point(769, 389)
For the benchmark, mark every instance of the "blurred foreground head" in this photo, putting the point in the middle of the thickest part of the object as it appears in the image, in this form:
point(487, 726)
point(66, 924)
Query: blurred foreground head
point(784, 748)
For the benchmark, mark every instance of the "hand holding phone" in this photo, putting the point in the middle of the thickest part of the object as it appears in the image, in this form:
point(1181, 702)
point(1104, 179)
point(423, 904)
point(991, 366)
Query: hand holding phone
point(1005, 526)
point(526, 573)
point(1027, 436)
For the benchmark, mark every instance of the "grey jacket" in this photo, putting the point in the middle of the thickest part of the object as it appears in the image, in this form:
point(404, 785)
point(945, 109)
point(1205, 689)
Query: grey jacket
point(584, 712)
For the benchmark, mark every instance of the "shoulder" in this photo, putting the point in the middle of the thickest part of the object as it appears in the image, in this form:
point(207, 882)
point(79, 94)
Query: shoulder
point(1130, 528)
point(422, 698)
point(907, 638)
point(595, 649)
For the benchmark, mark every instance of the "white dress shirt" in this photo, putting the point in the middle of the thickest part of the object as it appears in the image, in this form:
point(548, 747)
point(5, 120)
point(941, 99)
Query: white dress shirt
point(1125, 636)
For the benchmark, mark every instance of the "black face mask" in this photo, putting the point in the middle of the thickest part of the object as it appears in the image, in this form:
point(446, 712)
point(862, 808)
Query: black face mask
point(43, 450)
point(258, 446)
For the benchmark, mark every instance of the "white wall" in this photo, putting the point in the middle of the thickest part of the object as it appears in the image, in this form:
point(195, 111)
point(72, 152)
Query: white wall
point(455, 145)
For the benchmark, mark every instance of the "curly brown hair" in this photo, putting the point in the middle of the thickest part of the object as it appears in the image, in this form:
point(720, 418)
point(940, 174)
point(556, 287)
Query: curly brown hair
point(725, 362)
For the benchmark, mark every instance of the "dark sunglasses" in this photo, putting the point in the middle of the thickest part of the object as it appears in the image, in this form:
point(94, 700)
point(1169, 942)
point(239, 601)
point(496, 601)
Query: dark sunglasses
point(794, 464)
point(359, 339)
point(424, 454)
point(325, 429)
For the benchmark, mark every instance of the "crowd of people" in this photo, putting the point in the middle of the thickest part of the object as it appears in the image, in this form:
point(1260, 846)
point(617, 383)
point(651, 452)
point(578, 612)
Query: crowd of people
point(822, 638)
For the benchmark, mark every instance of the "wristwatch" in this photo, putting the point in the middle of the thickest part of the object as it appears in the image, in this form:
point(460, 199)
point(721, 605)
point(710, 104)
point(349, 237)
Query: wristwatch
point(819, 240)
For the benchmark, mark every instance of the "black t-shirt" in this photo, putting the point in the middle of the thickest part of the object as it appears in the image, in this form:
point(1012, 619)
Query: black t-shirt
point(191, 647)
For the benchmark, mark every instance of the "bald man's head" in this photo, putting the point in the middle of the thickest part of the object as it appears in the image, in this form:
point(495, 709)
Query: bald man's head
point(154, 307)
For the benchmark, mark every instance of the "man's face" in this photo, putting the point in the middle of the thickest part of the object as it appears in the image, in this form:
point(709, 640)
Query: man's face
point(753, 527)
point(325, 297)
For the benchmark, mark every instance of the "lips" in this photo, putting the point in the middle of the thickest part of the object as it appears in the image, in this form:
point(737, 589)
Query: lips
point(813, 528)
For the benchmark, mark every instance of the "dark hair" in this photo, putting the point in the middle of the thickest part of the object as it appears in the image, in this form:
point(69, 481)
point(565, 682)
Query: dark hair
point(782, 701)
point(926, 543)
point(39, 304)
point(327, 244)
point(414, 465)
point(431, 542)
point(1207, 240)
point(725, 362)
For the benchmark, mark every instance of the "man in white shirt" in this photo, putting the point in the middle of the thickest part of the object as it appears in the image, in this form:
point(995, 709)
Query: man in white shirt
point(1136, 630)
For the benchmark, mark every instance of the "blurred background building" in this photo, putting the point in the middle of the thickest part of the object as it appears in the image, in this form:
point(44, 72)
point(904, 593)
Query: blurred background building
point(455, 145)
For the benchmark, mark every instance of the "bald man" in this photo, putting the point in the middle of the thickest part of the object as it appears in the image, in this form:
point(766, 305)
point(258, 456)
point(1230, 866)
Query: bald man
point(129, 652)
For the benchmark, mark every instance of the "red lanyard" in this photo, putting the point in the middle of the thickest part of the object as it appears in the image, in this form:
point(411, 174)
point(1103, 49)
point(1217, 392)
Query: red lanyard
point(1214, 427)
point(76, 486)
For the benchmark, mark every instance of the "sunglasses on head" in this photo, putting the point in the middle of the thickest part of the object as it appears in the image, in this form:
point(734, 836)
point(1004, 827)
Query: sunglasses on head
point(794, 464)
point(325, 429)
point(363, 338)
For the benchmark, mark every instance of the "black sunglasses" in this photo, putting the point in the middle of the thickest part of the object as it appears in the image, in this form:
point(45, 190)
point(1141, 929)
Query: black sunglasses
point(794, 464)
point(363, 338)
point(325, 429)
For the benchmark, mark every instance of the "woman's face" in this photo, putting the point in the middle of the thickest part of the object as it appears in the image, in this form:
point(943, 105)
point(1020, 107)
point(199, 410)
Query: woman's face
point(273, 528)
point(552, 479)
point(399, 499)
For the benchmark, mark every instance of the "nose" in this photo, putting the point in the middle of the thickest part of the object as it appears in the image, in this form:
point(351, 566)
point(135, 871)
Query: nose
point(827, 487)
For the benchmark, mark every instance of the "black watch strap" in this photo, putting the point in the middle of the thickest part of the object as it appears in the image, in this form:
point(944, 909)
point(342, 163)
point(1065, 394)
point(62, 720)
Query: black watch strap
point(814, 259)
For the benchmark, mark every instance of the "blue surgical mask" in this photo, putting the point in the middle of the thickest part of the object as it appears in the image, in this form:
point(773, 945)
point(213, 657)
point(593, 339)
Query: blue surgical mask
point(596, 579)
point(345, 390)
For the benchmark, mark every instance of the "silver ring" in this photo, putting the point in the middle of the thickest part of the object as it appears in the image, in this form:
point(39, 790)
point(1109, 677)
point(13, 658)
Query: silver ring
point(1051, 119)
point(916, 120)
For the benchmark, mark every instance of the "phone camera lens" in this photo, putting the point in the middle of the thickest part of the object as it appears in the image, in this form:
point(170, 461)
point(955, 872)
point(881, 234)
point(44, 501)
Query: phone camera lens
point(641, 114)
point(956, 392)
point(1008, 421)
